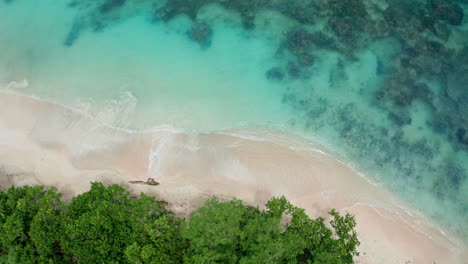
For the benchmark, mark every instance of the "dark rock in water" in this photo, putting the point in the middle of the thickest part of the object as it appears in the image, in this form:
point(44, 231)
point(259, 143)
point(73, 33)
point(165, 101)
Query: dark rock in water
point(317, 112)
point(344, 29)
point(7, 1)
point(458, 93)
point(412, 52)
point(304, 12)
point(462, 136)
point(442, 31)
point(98, 26)
point(248, 22)
point(201, 33)
point(348, 8)
point(380, 69)
point(454, 175)
point(110, 4)
point(305, 59)
point(73, 35)
point(429, 63)
point(401, 90)
point(275, 74)
point(293, 70)
point(447, 11)
point(438, 125)
point(422, 148)
point(400, 119)
point(434, 46)
point(298, 41)
point(173, 8)
point(323, 41)
point(395, 18)
point(426, 20)
point(246, 9)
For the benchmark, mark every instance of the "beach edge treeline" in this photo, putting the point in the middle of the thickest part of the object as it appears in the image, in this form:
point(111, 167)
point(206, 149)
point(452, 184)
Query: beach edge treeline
point(109, 225)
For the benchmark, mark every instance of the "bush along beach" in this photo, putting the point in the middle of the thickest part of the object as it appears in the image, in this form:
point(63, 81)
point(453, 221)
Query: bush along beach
point(109, 225)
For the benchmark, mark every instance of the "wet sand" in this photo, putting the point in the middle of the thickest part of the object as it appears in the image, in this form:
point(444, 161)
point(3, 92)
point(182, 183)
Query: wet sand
point(44, 143)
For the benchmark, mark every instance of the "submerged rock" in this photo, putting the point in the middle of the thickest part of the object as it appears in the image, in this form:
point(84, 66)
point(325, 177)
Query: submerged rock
point(462, 136)
point(201, 33)
point(306, 59)
point(442, 31)
point(298, 41)
point(402, 91)
point(323, 41)
point(275, 73)
point(73, 34)
point(400, 119)
point(111, 4)
point(293, 70)
point(447, 11)
point(304, 12)
point(173, 8)
point(348, 8)
point(345, 30)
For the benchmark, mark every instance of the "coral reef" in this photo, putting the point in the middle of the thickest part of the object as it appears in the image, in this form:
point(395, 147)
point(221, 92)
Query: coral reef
point(111, 4)
point(201, 33)
point(426, 69)
point(447, 11)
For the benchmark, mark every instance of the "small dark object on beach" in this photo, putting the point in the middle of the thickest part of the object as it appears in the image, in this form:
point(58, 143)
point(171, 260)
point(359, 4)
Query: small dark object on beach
point(150, 181)
point(136, 182)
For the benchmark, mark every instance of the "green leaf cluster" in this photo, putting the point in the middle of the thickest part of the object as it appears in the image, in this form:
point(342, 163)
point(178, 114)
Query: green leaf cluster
point(30, 219)
point(108, 225)
point(232, 232)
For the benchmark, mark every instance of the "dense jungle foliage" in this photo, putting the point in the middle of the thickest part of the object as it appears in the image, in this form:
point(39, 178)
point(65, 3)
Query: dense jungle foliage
point(108, 225)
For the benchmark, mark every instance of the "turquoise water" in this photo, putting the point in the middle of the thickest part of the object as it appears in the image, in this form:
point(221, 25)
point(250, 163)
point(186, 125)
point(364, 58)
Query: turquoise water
point(381, 83)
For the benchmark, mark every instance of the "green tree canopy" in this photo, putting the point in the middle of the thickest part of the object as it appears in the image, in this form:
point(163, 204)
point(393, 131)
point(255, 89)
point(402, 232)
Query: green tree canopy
point(30, 220)
point(108, 225)
point(232, 232)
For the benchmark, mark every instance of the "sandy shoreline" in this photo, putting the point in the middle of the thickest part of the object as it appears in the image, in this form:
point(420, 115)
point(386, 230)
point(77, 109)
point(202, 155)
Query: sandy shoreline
point(43, 143)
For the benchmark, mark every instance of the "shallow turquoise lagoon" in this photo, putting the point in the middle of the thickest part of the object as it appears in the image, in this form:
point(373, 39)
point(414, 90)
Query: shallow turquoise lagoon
point(382, 84)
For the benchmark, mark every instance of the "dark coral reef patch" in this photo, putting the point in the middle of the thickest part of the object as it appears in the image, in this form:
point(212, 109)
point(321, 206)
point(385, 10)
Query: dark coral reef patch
point(424, 32)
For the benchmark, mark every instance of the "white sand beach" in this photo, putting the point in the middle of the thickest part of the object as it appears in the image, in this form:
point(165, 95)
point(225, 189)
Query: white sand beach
point(44, 143)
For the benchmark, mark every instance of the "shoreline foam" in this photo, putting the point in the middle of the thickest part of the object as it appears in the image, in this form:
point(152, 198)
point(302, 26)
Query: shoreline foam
point(45, 143)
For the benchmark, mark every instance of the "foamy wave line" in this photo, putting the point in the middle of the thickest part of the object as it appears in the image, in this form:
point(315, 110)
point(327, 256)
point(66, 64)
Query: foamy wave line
point(259, 134)
point(18, 85)
point(278, 135)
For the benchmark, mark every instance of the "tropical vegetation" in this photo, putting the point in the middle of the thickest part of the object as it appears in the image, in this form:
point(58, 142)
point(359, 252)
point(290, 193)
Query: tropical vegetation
point(109, 225)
